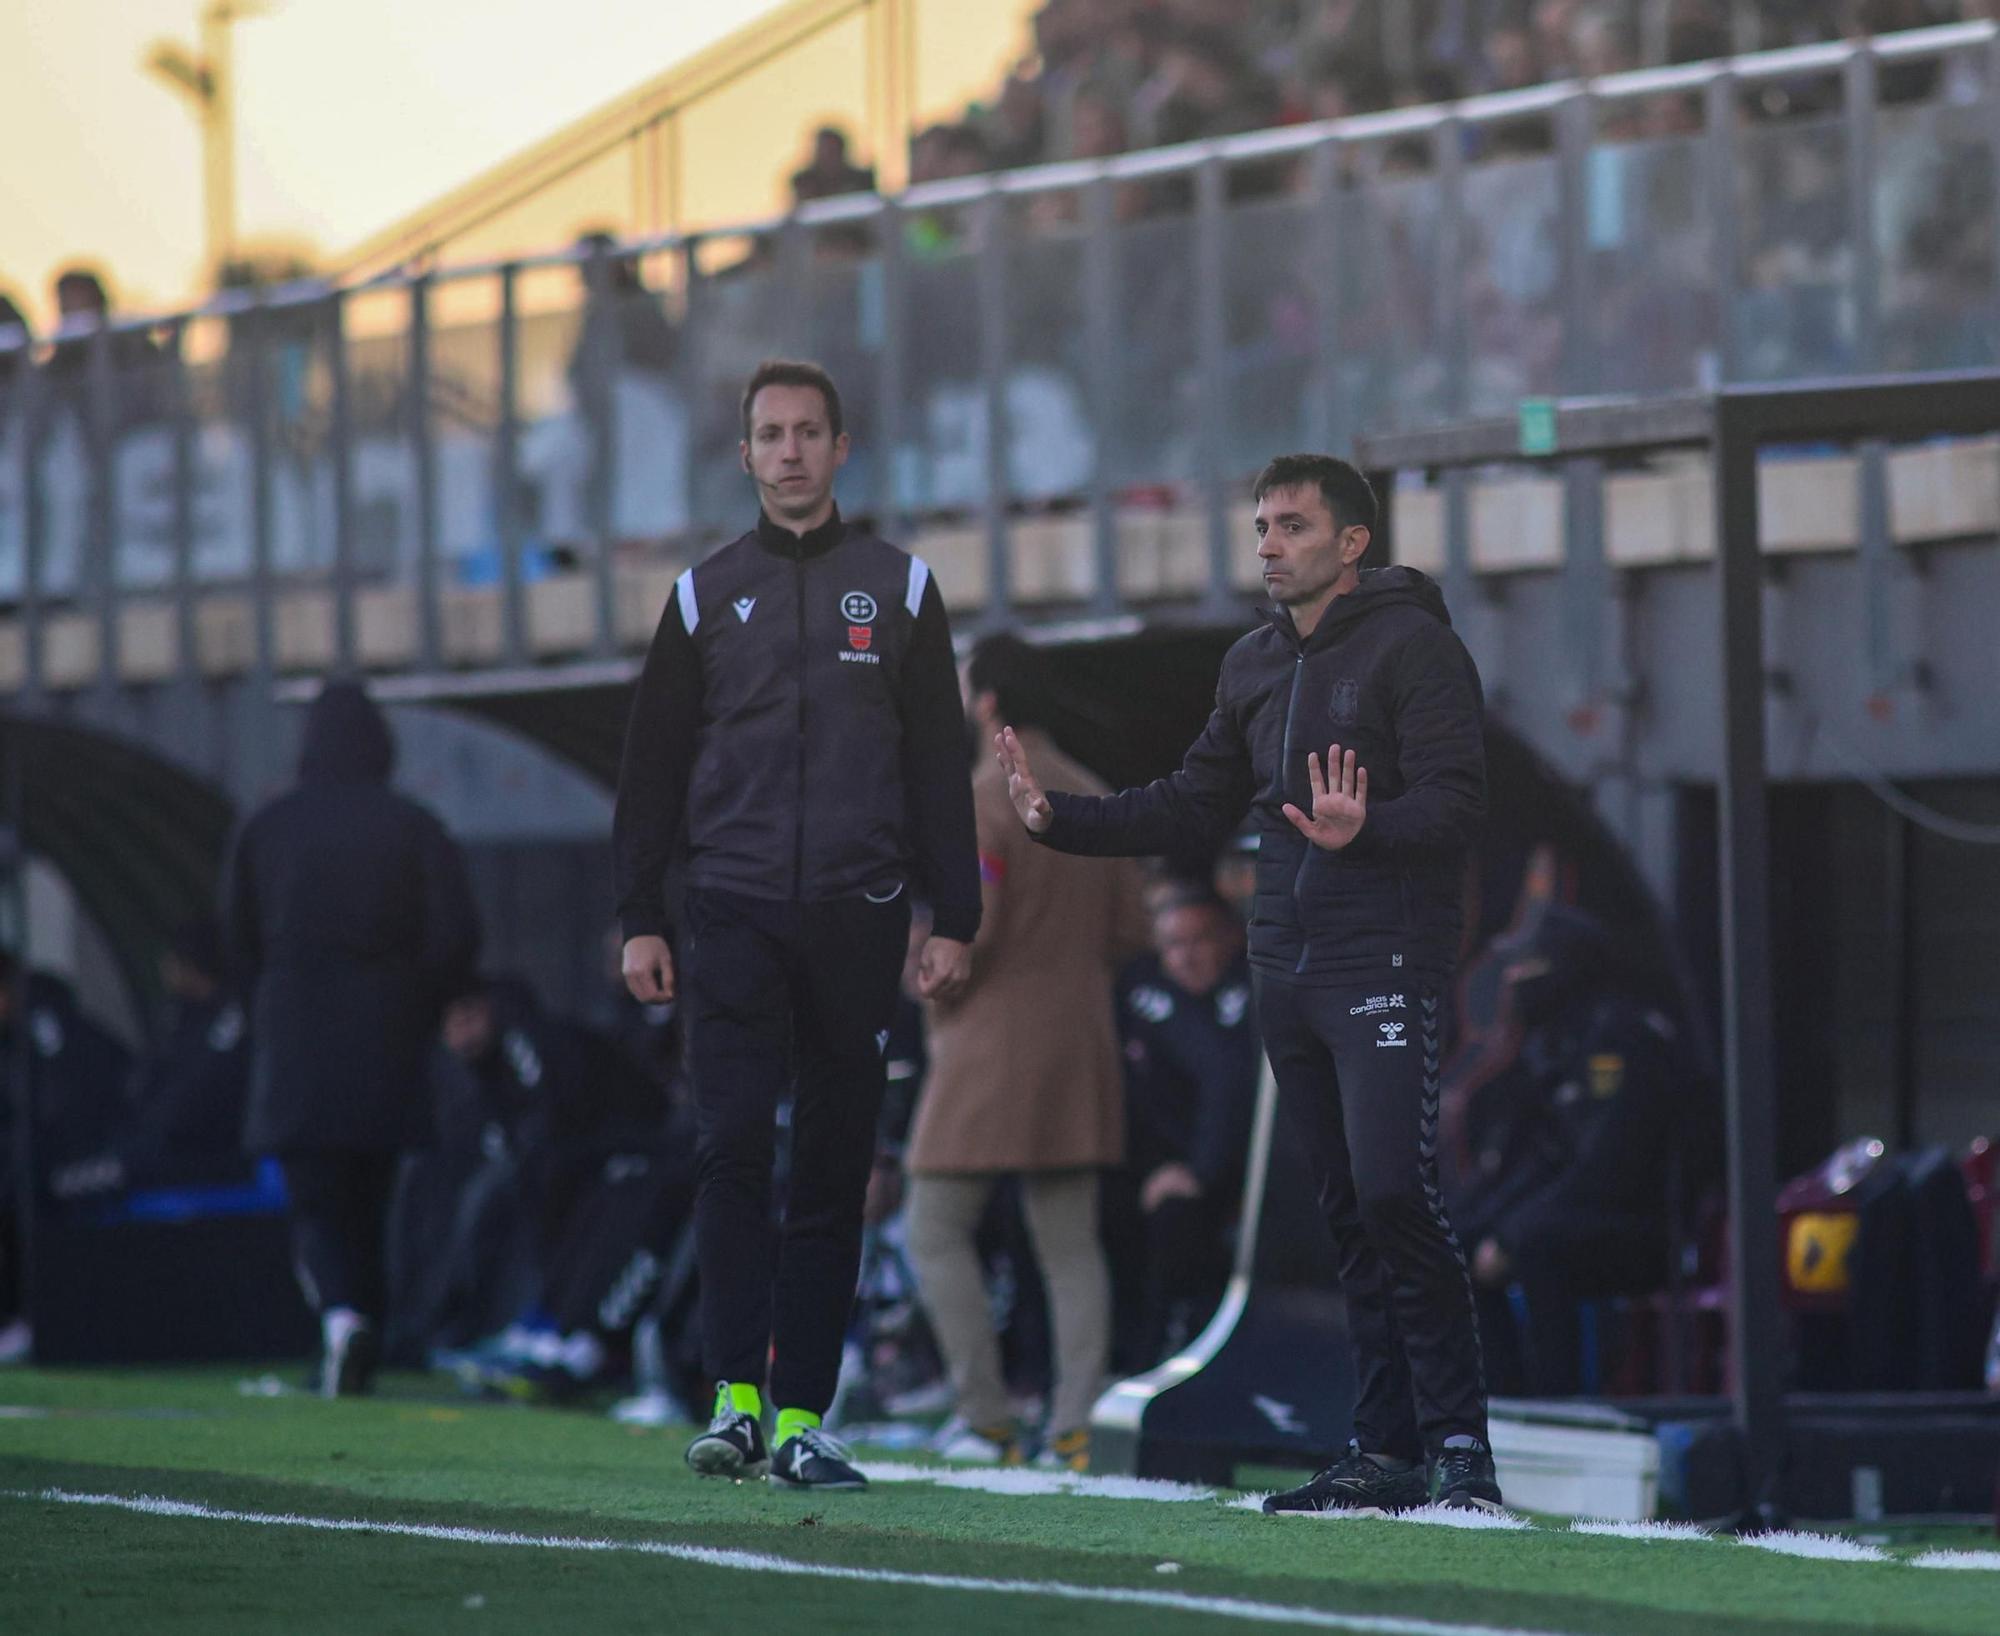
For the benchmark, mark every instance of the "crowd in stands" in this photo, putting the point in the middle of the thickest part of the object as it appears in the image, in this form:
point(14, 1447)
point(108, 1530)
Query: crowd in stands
point(1111, 75)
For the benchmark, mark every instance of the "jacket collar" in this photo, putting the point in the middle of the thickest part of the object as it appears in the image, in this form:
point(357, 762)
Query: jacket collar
point(814, 543)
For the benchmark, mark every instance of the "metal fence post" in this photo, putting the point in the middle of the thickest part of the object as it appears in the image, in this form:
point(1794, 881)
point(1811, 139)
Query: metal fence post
point(29, 397)
point(1576, 121)
point(990, 232)
point(1448, 159)
point(1719, 191)
point(890, 371)
point(1212, 372)
point(180, 401)
point(423, 463)
point(100, 440)
point(1100, 314)
point(341, 440)
point(257, 405)
point(1859, 101)
point(603, 352)
point(507, 476)
point(1749, 1069)
point(1326, 426)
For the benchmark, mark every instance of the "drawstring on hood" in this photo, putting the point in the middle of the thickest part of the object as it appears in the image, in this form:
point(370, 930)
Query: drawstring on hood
point(347, 740)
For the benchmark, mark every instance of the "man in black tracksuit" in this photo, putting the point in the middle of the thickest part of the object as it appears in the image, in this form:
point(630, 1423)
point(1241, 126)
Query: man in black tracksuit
point(1354, 930)
point(798, 729)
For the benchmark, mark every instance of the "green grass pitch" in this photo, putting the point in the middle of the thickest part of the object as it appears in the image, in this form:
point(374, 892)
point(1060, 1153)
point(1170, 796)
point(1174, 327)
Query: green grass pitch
point(574, 1524)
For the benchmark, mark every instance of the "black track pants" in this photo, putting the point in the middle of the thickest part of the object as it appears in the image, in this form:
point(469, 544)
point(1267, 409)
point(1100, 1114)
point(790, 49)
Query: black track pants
point(340, 1225)
point(781, 994)
point(1357, 1074)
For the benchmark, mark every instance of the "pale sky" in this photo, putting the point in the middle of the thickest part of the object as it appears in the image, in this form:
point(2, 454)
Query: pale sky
point(350, 113)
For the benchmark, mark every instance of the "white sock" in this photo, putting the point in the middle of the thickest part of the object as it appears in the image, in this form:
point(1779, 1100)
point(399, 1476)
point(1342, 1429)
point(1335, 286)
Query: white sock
point(337, 1326)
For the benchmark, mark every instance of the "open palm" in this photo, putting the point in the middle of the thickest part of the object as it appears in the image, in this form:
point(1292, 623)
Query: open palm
point(1339, 800)
point(1022, 789)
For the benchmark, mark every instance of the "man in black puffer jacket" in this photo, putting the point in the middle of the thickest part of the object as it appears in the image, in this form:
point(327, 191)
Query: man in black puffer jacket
point(349, 919)
point(1350, 724)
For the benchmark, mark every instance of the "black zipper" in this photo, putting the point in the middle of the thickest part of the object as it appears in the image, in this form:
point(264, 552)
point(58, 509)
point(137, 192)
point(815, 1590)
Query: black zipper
point(799, 810)
point(1284, 792)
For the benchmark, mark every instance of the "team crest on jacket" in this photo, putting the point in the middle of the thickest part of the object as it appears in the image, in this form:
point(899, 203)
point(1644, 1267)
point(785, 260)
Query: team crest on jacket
point(858, 608)
point(859, 637)
point(1346, 702)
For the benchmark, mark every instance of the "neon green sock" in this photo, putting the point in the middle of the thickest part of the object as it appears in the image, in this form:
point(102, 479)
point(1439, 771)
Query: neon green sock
point(742, 1399)
point(791, 1422)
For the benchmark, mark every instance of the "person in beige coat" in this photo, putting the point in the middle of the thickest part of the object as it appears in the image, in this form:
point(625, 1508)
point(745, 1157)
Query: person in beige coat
point(1025, 1080)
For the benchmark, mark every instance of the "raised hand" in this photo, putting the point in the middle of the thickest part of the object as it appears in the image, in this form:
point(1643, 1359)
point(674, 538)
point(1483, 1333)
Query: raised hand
point(1339, 800)
point(649, 970)
point(1022, 790)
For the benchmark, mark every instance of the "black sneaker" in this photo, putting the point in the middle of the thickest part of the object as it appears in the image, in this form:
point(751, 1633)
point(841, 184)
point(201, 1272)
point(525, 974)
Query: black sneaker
point(814, 1460)
point(1357, 1485)
point(733, 1445)
point(1464, 1478)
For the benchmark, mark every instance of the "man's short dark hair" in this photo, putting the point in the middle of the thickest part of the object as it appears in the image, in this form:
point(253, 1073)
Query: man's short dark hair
point(1175, 895)
point(1016, 673)
point(793, 372)
point(1344, 489)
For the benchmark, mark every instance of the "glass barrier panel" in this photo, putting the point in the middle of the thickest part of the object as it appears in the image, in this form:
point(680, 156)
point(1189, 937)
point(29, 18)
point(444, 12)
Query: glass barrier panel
point(843, 323)
point(1934, 211)
point(1272, 289)
point(1510, 286)
point(463, 415)
point(739, 315)
point(942, 463)
point(1153, 436)
point(1651, 247)
point(139, 422)
point(557, 421)
point(1051, 447)
point(219, 368)
point(1389, 369)
point(14, 367)
point(1793, 307)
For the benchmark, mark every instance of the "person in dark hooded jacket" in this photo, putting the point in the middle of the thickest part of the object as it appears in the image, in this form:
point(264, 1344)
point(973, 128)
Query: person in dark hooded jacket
point(349, 921)
point(1351, 725)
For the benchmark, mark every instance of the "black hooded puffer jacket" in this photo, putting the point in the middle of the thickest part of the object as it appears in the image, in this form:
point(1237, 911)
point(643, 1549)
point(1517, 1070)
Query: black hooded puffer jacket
point(348, 920)
point(1383, 675)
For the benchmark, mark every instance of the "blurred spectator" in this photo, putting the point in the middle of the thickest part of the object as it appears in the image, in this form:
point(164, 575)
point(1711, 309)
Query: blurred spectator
point(1583, 1151)
point(830, 173)
point(15, 333)
point(1191, 1066)
point(620, 313)
point(77, 1073)
point(591, 1175)
point(1024, 1081)
point(82, 309)
point(184, 1121)
point(349, 916)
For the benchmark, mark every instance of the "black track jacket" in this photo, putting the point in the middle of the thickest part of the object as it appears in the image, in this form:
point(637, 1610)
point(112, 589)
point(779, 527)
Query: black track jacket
point(799, 720)
point(1383, 675)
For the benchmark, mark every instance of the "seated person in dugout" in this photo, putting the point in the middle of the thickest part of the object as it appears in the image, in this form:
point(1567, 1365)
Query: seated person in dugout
point(1191, 1065)
point(1575, 1151)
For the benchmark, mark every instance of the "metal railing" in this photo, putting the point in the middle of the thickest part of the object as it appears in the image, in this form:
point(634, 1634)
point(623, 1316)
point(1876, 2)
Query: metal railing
point(1097, 338)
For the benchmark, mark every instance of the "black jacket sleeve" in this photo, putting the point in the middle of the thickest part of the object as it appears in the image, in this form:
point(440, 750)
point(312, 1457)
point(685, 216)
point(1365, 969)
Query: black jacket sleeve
point(1189, 811)
point(1440, 731)
point(937, 776)
point(660, 738)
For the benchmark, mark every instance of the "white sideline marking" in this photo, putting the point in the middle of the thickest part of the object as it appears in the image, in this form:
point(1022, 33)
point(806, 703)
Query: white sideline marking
point(1017, 1480)
point(1227, 1607)
point(1826, 1547)
point(1640, 1530)
point(1989, 1560)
